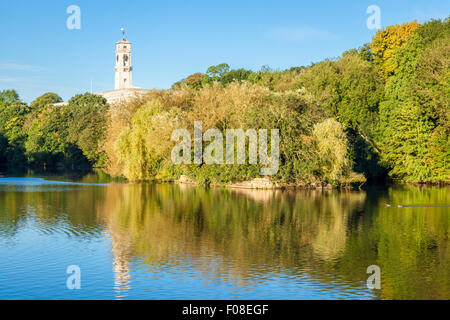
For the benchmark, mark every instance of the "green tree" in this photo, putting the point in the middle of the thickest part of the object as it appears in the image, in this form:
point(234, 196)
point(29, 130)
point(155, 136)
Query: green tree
point(196, 80)
point(349, 89)
point(144, 149)
point(89, 119)
point(3, 150)
point(414, 118)
point(366, 53)
point(48, 136)
point(216, 72)
point(385, 43)
point(38, 105)
point(13, 113)
point(334, 164)
point(8, 96)
point(43, 101)
point(235, 75)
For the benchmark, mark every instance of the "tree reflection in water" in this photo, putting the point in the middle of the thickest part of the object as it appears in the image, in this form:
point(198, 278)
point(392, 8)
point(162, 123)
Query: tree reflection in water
point(332, 236)
point(246, 237)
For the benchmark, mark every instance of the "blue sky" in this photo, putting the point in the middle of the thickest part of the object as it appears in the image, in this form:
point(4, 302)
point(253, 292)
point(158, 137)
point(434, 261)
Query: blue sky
point(172, 39)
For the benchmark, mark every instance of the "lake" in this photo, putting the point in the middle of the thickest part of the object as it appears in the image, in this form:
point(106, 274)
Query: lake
point(164, 241)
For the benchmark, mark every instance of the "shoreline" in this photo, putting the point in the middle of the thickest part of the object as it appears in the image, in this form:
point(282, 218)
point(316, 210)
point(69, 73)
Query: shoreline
point(263, 183)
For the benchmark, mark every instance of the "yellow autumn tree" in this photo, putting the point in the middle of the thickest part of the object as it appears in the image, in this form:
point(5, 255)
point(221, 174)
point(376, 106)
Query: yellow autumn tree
point(387, 41)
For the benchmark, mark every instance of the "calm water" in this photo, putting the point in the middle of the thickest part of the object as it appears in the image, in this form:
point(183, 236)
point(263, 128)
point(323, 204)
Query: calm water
point(143, 241)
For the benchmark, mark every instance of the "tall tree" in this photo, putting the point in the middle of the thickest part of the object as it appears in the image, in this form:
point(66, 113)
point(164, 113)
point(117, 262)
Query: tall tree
point(88, 125)
point(385, 43)
point(414, 118)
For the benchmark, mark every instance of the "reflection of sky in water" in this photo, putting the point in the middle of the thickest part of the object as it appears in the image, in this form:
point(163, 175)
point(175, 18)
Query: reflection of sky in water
point(128, 250)
point(33, 266)
point(41, 185)
point(42, 182)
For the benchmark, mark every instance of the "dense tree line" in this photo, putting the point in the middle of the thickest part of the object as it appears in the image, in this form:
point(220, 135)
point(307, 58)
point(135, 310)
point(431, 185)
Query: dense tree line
point(392, 96)
point(47, 135)
point(313, 147)
point(379, 110)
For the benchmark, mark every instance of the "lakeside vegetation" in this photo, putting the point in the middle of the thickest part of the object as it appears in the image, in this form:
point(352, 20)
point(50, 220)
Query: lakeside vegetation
point(378, 111)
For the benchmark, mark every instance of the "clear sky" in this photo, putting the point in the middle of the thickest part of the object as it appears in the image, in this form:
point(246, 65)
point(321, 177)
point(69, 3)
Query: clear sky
point(172, 39)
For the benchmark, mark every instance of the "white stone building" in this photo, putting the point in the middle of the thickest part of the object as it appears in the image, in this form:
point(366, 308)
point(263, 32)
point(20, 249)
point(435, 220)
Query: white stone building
point(123, 79)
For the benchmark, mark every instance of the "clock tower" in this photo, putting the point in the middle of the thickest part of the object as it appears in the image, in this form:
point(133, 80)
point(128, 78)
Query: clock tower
point(123, 69)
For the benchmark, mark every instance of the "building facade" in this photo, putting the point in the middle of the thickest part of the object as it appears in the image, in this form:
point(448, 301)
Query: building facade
point(123, 69)
point(123, 77)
